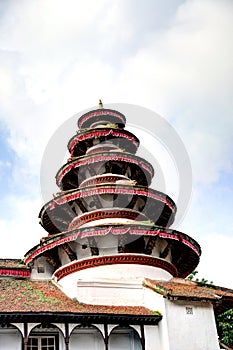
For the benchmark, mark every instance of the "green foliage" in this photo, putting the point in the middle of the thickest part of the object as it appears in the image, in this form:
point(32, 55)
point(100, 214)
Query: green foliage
point(225, 327)
point(157, 313)
point(192, 275)
point(202, 282)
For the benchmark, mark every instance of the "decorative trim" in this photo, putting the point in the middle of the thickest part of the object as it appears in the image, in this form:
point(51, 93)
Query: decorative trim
point(51, 243)
point(95, 158)
point(92, 134)
point(14, 272)
point(189, 244)
point(106, 213)
point(74, 317)
point(107, 179)
point(99, 113)
point(124, 189)
point(115, 259)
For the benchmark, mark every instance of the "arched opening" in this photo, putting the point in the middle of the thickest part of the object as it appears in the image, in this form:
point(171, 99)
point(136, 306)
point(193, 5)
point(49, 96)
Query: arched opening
point(10, 337)
point(45, 337)
point(88, 338)
point(124, 338)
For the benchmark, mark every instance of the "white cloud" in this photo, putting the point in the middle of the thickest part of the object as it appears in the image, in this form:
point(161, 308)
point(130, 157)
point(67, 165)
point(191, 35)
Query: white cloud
point(22, 231)
point(216, 261)
point(63, 57)
point(186, 72)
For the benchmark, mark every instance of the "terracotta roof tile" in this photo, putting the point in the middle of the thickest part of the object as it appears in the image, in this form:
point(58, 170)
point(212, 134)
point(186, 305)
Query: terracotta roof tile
point(44, 296)
point(179, 288)
point(12, 263)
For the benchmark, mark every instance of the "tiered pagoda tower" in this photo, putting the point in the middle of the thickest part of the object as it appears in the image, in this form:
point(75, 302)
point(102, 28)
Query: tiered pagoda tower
point(111, 249)
point(106, 227)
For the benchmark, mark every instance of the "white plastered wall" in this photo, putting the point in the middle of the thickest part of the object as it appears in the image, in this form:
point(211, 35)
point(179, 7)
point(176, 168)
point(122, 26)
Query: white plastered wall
point(191, 325)
point(156, 302)
point(46, 268)
point(10, 339)
point(107, 284)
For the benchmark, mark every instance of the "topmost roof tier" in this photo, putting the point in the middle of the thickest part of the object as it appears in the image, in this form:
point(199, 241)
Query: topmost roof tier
point(101, 117)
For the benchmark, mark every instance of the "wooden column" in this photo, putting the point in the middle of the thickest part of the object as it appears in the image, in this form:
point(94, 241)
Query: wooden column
point(106, 336)
point(142, 336)
point(25, 336)
point(67, 336)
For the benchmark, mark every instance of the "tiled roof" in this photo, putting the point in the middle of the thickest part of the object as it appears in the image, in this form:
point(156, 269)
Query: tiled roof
point(178, 288)
point(24, 296)
point(43, 296)
point(14, 267)
point(12, 263)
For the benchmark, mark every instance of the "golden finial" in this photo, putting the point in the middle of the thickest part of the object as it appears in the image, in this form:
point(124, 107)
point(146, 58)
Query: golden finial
point(100, 104)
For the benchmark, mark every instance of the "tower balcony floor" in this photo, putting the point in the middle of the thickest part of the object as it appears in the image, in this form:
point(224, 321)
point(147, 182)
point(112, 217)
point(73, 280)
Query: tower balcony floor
point(73, 173)
point(149, 241)
point(57, 214)
point(85, 139)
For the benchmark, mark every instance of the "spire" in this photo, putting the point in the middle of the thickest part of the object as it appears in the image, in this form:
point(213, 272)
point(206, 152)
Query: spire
point(100, 104)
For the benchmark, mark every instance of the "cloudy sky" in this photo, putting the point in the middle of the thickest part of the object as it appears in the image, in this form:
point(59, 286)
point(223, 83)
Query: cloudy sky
point(174, 57)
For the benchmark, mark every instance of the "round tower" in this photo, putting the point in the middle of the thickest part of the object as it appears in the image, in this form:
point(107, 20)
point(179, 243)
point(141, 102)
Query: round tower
point(106, 223)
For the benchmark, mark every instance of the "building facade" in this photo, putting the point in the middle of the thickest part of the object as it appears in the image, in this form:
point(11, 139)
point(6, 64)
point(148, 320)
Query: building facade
point(110, 272)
